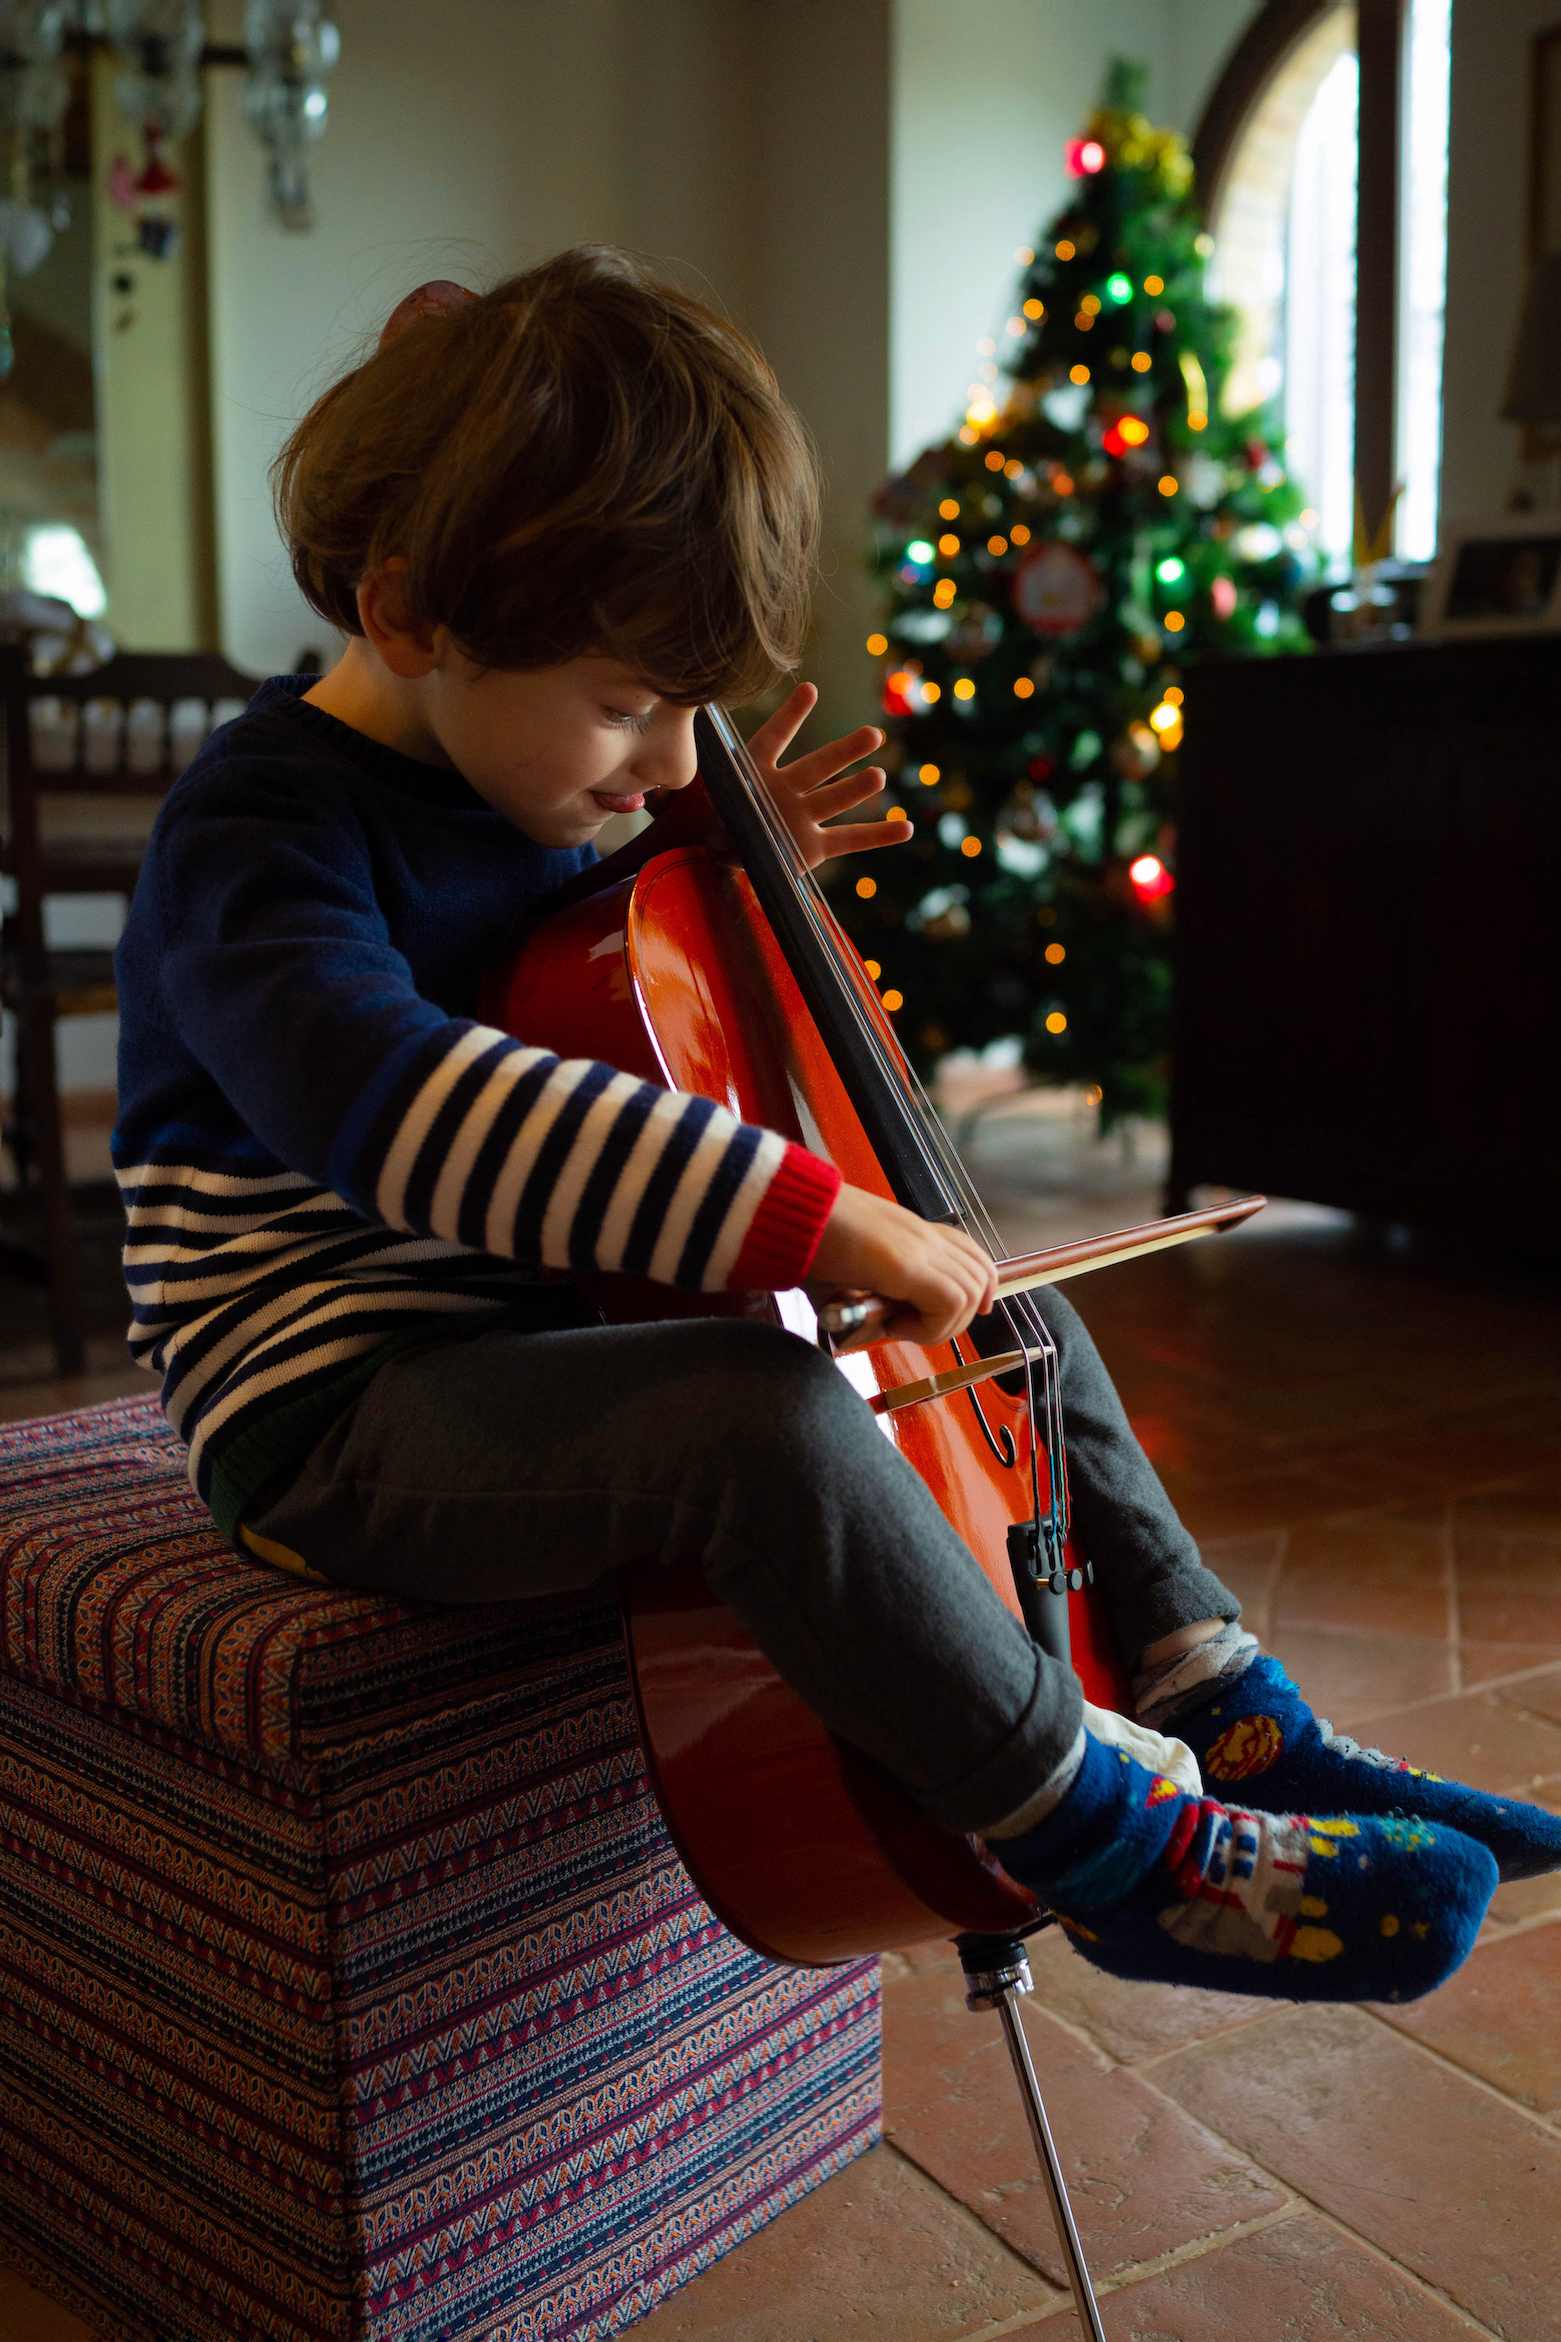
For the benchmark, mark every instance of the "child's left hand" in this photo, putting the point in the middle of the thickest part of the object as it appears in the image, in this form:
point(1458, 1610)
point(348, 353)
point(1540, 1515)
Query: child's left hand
point(809, 792)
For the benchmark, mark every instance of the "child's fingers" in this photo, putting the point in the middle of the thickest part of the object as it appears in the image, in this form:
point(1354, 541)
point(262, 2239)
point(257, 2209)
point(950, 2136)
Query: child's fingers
point(778, 731)
point(821, 764)
point(839, 796)
point(859, 837)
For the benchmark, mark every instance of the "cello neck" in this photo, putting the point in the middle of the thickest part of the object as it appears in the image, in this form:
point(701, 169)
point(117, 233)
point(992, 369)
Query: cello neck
point(876, 1088)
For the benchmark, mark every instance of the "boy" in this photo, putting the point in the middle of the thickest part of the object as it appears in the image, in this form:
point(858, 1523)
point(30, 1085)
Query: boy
point(551, 522)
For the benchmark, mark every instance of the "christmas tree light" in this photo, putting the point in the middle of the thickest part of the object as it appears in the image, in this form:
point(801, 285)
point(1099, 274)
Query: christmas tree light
point(1095, 524)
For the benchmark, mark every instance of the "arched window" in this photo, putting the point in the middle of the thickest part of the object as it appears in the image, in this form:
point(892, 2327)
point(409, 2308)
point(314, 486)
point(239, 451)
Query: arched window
point(1322, 160)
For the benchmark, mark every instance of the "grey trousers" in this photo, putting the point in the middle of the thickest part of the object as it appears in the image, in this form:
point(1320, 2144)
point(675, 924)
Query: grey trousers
point(513, 1464)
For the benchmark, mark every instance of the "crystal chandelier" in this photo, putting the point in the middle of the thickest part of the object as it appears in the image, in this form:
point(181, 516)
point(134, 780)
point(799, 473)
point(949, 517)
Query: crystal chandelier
point(34, 94)
point(159, 48)
point(291, 50)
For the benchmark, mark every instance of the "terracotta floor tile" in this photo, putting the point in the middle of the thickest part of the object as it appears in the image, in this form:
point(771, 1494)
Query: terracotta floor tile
point(1480, 1663)
point(1537, 1695)
point(1460, 1454)
point(1199, 1454)
point(1130, 2021)
point(1524, 1898)
point(1498, 2016)
point(1273, 1501)
point(1423, 2164)
point(1477, 1737)
point(1250, 1567)
point(876, 2251)
point(1345, 1676)
point(1253, 1589)
point(1361, 1604)
point(1401, 1545)
point(50, 1395)
point(1509, 1614)
point(1144, 2179)
point(1264, 1551)
point(1314, 2286)
point(1528, 1510)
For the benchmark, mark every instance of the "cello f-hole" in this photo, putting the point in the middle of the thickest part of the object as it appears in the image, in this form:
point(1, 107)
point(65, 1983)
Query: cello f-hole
point(1002, 1446)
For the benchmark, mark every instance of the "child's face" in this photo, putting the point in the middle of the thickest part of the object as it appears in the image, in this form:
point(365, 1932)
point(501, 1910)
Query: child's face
point(559, 750)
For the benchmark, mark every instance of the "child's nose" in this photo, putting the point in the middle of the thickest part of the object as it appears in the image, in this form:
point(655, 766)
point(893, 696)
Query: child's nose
point(667, 759)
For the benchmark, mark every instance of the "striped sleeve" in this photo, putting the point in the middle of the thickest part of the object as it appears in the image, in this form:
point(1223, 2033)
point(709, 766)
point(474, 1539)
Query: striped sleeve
point(565, 1164)
point(279, 975)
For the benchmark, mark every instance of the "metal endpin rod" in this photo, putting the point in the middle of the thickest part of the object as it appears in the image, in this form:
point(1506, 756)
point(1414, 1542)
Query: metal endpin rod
point(997, 1976)
point(1051, 2170)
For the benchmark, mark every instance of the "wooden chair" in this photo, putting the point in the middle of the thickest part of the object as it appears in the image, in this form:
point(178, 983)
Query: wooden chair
point(79, 828)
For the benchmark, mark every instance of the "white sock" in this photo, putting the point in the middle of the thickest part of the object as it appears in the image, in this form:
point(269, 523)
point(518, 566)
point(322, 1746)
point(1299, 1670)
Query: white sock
point(1160, 1690)
point(1150, 1749)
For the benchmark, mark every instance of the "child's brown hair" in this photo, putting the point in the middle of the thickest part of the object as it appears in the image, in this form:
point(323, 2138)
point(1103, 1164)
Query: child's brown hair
point(582, 459)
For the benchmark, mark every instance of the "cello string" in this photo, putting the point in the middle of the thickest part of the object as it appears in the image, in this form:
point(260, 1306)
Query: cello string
point(1020, 1312)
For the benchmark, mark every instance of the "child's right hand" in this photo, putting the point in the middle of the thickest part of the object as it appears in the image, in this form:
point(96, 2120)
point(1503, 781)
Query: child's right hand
point(940, 1274)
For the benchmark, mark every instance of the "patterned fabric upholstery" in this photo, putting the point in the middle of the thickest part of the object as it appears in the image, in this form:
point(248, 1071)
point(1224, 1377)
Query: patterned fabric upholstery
point(350, 1986)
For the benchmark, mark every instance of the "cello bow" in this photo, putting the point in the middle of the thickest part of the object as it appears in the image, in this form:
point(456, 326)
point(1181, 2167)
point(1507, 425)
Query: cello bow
point(1025, 1271)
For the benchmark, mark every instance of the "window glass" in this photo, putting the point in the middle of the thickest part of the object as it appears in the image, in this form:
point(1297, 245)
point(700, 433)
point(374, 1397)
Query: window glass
point(1423, 275)
point(1284, 228)
point(1319, 309)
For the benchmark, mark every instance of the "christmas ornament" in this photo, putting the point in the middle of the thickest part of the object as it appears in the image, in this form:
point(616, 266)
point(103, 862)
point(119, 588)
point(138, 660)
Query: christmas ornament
point(977, 633)
point(1135, 753)
point(1057, 590)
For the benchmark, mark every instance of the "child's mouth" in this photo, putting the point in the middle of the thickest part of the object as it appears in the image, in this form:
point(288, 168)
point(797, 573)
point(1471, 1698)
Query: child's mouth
point(611, 804)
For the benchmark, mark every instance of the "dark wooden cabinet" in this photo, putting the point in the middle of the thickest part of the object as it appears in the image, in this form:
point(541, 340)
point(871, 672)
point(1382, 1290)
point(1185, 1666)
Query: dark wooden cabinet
point(1368, 1003)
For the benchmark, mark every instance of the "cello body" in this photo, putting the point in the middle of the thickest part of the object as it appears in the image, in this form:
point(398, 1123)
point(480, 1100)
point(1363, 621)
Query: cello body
point(802, 1847)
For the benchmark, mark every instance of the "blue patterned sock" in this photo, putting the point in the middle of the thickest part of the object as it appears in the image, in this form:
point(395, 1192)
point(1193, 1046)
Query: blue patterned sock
point(1152, 1883)
point(1257, 1739)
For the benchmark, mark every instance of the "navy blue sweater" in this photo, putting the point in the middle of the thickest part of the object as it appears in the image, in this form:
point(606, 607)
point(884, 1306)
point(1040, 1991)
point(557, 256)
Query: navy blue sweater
point(323, 1154)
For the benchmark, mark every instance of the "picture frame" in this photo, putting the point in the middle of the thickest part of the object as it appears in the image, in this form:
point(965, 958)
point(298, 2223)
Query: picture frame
point(1493, 577)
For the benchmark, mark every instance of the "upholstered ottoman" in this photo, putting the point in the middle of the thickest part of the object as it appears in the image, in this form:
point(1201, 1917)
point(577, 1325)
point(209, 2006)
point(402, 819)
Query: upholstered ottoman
point(349, 1983)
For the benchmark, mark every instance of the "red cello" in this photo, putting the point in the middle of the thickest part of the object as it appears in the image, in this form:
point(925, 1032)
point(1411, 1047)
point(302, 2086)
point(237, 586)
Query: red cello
point(719, 969)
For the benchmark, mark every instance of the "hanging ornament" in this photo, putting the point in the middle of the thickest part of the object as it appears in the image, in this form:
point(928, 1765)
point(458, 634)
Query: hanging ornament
point(292, 49)
point(1057, 590)
point(1029, 813)
point(978, 632)
point(1222, 596)
point(1135, 752)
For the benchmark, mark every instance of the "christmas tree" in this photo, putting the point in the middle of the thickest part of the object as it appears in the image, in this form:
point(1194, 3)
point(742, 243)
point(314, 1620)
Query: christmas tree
point(1097, 522)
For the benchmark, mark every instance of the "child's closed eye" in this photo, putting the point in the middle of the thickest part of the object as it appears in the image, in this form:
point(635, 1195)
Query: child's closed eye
point(630, 719)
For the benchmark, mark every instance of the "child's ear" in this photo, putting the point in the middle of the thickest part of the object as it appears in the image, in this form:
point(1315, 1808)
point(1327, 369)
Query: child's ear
point(407, 644)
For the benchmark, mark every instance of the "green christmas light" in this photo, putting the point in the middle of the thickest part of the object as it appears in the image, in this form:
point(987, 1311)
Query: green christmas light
point(1169, 570)
point(920, 550)
point(1120, 288)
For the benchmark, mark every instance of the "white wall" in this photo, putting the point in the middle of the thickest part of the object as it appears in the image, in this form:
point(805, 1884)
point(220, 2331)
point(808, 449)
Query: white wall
point(1199, 37)
point(746, 147)
point(1487, 259)
point(460, 149)
point(984, 103)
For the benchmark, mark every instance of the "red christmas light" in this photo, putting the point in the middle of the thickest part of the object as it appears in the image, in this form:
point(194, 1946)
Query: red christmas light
point(1084, 157)
point(1127, 431)
point(1149, 878)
